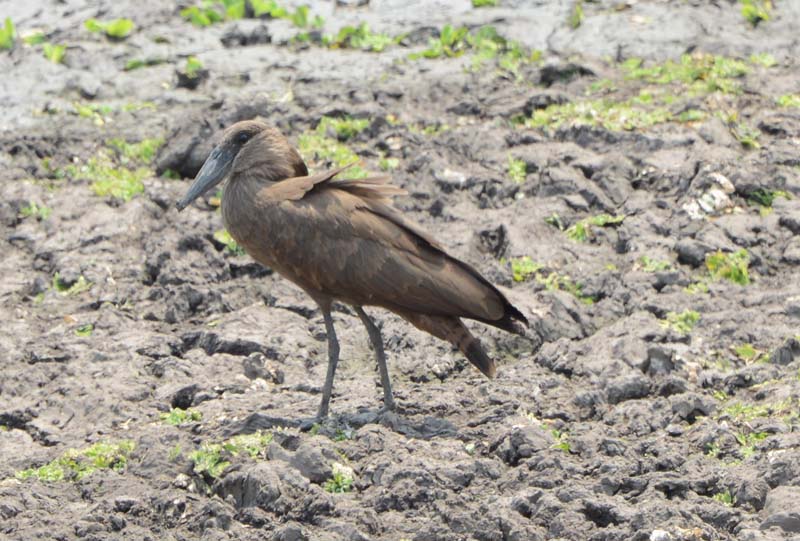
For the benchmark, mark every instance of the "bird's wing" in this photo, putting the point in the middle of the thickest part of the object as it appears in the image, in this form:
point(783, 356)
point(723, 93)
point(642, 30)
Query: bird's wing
point(339, 240)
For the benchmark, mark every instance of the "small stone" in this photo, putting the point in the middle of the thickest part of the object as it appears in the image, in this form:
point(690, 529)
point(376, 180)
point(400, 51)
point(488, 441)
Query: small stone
point(660, 535)
point(123, 504)
point(182, 481)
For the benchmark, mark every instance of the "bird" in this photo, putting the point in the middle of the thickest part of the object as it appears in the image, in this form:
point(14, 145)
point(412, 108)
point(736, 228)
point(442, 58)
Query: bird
point(341, 239)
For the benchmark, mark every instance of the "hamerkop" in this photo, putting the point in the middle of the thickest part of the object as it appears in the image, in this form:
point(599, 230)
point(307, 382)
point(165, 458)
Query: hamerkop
point(341, 240)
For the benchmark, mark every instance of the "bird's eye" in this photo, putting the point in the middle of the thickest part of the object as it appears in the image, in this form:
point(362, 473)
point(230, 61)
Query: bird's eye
point(242, 137)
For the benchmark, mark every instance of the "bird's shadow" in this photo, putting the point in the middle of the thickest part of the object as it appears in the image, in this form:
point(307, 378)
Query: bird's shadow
point(419, 427)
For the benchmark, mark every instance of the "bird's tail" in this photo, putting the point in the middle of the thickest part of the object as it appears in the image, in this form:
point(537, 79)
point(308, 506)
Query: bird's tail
point(453, 330)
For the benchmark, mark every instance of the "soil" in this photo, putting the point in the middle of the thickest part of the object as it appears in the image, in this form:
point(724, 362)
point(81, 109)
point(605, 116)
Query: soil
point(605, 424)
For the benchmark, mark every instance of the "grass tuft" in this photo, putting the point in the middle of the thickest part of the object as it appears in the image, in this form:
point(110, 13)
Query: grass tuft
point(681, 322)
point(729, 266)
point(517, 169)
point(178, 416)
point(341, 481)
point(74, 465)
point(8, 34)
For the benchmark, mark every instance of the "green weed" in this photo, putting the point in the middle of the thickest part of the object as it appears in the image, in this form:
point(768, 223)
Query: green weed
point(178, 416)
point(117, 29)
point(341, 481)
point(192, 67)
point(699, 72)
point(749, 354)
point(343, 128)
point(729, 266)
point(517, 169)
point(34, 210)
point(714, 450)
point(559, 282)
point(763, 59)
point(755, 11)
point(562, 440)
point(175, 453)
point(80, 285)
point(84, 331)
point(746, 135)
point(652, 265)
point(696, 288)
point(359, 37)
point(725, 498)
point(581, 230)
point(789, 100)
point(108, 180)
point(610, 115)
point(223, 237)
point(692, 115)
point(576, 15)
point(211, 459)
point(136, 63)
point(484, 3)
point(54, 53)
point(523, 268)
point(36, 38)
point(555, 220)
point(388, 164)
point(8, 34)
point(315, 147)
point(765, 196)
point(681, 322)
point(203, 15)
point(744, 413)
point(74, 465)
point(268, 7)
point(748, 442)
point(143, 152)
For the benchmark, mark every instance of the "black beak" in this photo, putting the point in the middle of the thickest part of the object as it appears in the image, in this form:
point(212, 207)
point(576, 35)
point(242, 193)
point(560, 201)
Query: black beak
point(214, 170)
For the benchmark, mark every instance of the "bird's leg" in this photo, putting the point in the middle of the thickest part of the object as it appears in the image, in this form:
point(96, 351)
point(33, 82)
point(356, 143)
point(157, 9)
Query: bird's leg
point(377, 344)
point(333, 360)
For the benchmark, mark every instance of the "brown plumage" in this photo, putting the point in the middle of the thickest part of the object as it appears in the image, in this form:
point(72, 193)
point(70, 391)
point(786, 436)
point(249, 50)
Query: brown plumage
point(340, 239)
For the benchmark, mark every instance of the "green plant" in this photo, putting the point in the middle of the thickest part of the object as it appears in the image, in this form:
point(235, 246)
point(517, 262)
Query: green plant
point(725, 498)
point(524, 267)
point(254, 445)
point(359, 37)
point(714, 450)
point(651, 265)
point(608, 114)
point(484, 3)
point(203, 15)
point(54, 53)
point(315, 146)
point(562, 440)
point(107, 180)
point(581, 230)
point(789, 100)
point(34, 210)
point(36, 38)
point(137, 63)
point(517, 169)
point(558, 282)
point(268, 7)
point(576, 15)
point(178, 416)
point(7, 34)
point(223, 237)
point(749, 441)
point(729, 266)
point(555, 220)
point(763, 59)
point(681, 322)
point(80, 285)
point(144, 151)
point(755, 11)
point(344, 128)
point(84, 330)
point(192, 67)
point(175, 453)
point(208, 460)
point(698, 72)
point(117, 29)
point(746, 135)
point(341, 481)
point(696, 288)
point(388, 164)
point(74, 465)
point(765, 196)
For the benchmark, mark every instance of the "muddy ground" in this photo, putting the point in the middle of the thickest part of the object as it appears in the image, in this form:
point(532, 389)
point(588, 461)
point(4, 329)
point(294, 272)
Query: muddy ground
point(608, 423)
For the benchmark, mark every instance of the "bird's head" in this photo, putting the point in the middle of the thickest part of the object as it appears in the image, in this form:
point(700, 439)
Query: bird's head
point(247, 146)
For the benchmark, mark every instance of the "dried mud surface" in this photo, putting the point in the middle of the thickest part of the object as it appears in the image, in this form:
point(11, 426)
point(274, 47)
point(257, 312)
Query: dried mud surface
point(618, 427)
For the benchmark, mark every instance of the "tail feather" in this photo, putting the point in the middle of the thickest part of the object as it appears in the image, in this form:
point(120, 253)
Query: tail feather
point(453, 330)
